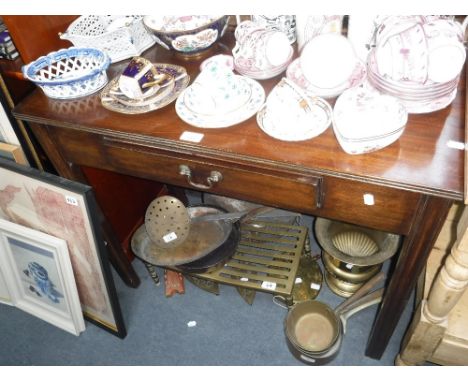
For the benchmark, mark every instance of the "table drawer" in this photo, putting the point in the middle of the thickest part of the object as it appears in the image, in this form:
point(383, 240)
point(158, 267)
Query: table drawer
point(285, 190)
point(380, 207)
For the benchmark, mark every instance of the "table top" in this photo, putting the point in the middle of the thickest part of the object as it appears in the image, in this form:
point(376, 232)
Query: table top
point(424, 159)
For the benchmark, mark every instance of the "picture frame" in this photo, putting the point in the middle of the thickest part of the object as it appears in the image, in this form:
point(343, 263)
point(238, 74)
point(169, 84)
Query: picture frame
point(5, 296)
point(67, 210)
point(7, 134)
point(13, 153)
point(39, 276)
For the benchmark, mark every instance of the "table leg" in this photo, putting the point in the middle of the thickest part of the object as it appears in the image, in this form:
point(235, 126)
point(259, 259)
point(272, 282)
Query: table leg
point(426, 226)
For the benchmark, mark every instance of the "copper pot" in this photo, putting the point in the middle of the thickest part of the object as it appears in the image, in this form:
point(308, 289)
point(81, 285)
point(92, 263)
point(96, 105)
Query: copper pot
point(314, 331)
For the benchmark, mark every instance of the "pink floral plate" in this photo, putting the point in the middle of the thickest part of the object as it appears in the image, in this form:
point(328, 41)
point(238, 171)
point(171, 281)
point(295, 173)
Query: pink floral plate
point(295, 74)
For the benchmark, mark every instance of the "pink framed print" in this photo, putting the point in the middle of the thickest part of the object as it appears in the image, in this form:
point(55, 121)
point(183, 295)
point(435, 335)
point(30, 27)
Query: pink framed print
point(66, 210)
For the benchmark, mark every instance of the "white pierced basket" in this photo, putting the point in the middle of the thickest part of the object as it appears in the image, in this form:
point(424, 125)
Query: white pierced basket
point(69, 73)
point(121, 37)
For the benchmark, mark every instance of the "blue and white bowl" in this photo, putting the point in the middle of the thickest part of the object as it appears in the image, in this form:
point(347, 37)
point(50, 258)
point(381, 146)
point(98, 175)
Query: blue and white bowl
point(188, 35)
point(69, 73)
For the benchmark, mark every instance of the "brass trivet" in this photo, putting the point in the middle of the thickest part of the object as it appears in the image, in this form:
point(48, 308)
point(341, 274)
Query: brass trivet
point(266, 259)
point(206, 285)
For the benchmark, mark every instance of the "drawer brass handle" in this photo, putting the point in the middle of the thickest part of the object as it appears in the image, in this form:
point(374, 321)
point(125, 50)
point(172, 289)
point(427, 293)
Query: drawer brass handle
point(215, 177)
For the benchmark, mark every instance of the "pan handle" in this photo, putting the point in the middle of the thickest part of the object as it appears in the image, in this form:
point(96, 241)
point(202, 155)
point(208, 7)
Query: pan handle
point(358, 305)
point(362, 291)
point(282, 302)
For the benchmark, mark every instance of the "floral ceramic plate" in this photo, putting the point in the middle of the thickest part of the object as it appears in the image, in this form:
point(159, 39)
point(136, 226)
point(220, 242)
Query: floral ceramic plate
point(295, 74)
point(255, 102)
point(112, 99)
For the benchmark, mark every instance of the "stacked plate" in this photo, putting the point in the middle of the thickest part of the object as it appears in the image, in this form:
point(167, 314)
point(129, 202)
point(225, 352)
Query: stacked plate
point(327, 66)
point(175, 82)
point(418, 60)
point(417, 97)
point(296, 75)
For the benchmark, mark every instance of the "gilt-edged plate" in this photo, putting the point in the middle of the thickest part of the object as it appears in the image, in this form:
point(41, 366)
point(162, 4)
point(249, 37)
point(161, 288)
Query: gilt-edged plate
point(112, 99)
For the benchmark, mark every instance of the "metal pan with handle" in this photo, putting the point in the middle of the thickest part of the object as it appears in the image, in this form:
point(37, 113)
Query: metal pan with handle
point(314, 331)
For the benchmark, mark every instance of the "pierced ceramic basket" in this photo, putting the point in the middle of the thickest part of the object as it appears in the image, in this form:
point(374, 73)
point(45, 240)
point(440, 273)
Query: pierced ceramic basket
point(121, 37)
point(69, 73)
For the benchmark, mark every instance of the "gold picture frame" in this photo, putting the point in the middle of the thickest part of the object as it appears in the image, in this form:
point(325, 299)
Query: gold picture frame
point(13, 152)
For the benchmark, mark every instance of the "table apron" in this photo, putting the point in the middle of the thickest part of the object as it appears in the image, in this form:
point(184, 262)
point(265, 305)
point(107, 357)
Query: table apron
point(302, 190)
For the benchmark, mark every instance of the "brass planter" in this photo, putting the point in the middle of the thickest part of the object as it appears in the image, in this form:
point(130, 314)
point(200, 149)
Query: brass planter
point(353, 244)
point(349, 272)
point(341, 287)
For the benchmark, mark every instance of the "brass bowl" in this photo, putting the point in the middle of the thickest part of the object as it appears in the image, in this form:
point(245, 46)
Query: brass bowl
point(349, 272)
point(341, 287)
point(312, 327)
point(353, 244)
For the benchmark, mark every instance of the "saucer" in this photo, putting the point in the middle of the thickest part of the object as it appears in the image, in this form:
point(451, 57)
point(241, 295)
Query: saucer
point(256, 100)
point(111, 99)
point(296, 75)
point(224, 59)
point(161, 93)
point(320, 119)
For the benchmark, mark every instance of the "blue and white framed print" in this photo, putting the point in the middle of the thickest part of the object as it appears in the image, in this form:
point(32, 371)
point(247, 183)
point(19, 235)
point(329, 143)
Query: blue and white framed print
point(39, 276)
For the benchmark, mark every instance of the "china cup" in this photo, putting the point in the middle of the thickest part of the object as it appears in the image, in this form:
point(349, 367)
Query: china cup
point(404, 56)
point(139, 79)
point(288, 106)
point(216, 90)
point(245, 28)
point(446, 52)
point(262, 50)
point(309, 26)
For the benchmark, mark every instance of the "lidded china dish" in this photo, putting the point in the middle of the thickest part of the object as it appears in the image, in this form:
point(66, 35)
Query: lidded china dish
point(365, 120)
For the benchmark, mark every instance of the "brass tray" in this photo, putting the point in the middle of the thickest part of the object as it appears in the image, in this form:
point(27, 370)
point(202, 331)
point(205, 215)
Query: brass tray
point(266, 259)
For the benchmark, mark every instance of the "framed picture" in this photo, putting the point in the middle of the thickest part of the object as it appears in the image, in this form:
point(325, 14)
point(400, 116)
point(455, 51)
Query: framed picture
point(5, 297)
point(13, 153)
point(7, 134)
point(39, 276)
point(66, 210)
